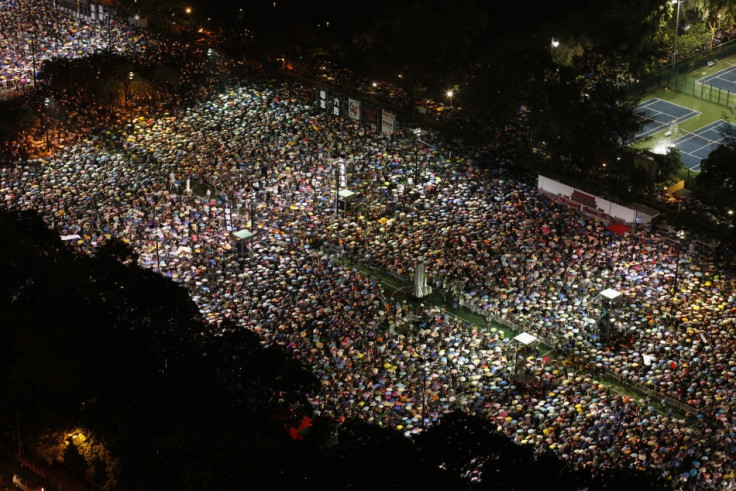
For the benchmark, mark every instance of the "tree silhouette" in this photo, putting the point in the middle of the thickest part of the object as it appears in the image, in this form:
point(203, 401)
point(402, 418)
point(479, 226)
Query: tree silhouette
point(101, 344)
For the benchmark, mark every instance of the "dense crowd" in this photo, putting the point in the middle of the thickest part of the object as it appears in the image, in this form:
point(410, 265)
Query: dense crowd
point(483, 234)
point(40, 30)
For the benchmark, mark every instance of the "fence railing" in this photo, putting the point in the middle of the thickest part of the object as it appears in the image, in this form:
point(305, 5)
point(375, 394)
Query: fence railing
point(552, 343)
point(641, 388)
point(704, 57)
point(702, 90)
point(683, 66)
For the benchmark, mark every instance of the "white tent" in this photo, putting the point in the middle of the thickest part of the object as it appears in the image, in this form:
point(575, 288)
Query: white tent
point(610, 294)
point(525, 338)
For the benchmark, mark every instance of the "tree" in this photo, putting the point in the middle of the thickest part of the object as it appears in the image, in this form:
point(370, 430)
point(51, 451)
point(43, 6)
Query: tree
point(165, 79)
point(669, 164)
point(18, 118)
point(118, 352)
point(582, 122)
point(424, 44)
point(112, 92)
point(718, 172)
point(139, 89)
point(715, 13)
point(693, 40)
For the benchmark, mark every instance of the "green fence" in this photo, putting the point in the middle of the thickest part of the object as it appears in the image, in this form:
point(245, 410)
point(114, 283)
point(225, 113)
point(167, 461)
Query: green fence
point(699, 60)
point(683, 66)
point(688, 85)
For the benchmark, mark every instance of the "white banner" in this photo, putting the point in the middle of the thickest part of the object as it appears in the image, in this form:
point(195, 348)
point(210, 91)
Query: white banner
point(343, 175)
point(336, 106)
point(387, 122)
point(228, 217)
point(354, 109)
point(581, 200)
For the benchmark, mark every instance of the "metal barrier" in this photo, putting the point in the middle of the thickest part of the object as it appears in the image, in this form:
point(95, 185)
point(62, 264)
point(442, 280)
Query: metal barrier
point(556, 346)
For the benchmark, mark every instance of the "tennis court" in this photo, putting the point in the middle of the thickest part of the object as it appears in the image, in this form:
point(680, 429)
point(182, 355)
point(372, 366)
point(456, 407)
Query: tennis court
point(724, 79)
point(657, 115)
point(696, 146)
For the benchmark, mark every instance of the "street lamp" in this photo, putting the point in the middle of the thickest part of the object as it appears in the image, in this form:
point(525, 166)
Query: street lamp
point(44, 113)
point(680, 236)
point(338, 164)
point(108, 14)
point(425, 378)
point(677, 29)
point(417, 134)
point(34, 40)
point(449, 94)
point(158, 235)
point(553, 44)
point(130, 102)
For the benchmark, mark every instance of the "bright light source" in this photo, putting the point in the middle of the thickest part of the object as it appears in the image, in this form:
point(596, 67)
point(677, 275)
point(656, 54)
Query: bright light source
point(450, 93)
point(555, 43)
point(660, 149)
point(188, 10)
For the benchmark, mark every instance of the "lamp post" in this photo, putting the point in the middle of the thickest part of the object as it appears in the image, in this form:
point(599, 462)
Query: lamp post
point(417, 135)
point(677, 29)
point(553, 44)
point(449, 94)
point(158, 235)
point(337, 162)
point(129, 96)
point(33, 53)
point(108, 14)
point(680, 236)
point(188, 11)
point(44, 113)
point(425, 378)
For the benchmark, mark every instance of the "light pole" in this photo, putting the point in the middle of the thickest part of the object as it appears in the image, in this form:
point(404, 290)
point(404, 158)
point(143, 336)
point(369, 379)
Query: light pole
point(130, 102)
point(108, 14)
point(677, 29)
point(680, 236)
point(33, 52)
point(425, 377)
point(158, 235)
point(553, 44)
point(44, 113)
point(336, 163)
point(417, 134)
